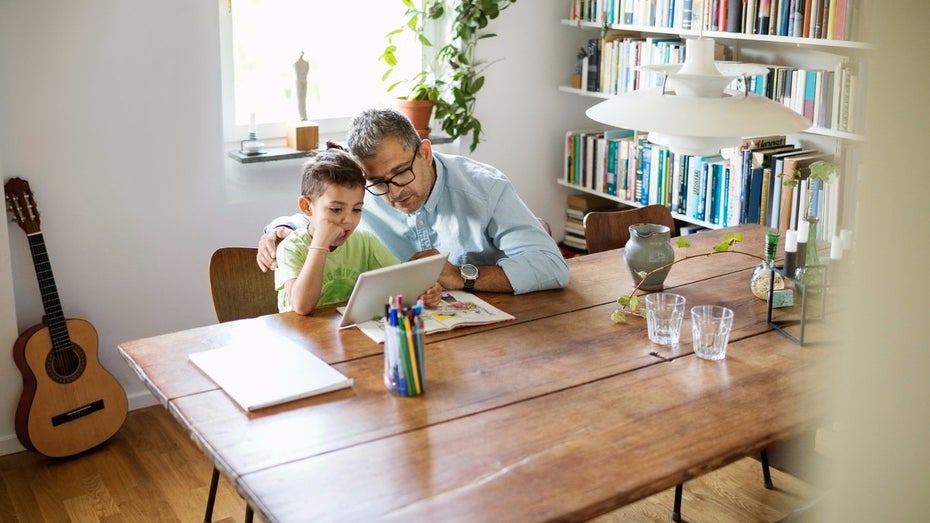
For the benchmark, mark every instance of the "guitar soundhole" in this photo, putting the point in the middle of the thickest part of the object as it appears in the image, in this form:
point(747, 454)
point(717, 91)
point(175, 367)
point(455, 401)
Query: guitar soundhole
point(65, 366)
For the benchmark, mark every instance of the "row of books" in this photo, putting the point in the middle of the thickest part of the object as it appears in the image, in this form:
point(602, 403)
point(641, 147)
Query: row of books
point(742, 185)
point(826, 19)
point(831, 99)
point(614, 61)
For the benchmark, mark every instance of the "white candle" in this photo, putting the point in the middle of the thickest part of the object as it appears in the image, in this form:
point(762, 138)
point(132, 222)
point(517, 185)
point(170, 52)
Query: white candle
point(846, 238)
point(791, 240)
point(803, 231)
point(252, 122)
point(836, 248)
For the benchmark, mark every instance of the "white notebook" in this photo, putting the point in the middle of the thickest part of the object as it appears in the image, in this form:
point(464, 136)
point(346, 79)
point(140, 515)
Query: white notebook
point(257, 376)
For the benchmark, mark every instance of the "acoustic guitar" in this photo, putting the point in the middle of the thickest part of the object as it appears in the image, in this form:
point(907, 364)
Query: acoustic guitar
point(70, 403)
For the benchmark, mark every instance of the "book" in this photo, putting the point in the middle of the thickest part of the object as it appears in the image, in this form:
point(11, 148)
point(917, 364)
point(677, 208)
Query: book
point(734, 14)
point(753, 162)
point(781, 198)
point(575, 242)
point(791, 164)
point(589, 202)
point(764, 196)
point(256, 375)
point(574, 226)
point(456, 309)
point(762, 22)
point(593, 69)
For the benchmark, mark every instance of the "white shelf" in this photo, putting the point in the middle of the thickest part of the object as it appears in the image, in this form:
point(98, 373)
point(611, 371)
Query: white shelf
point(631, 203)
point(724, 35)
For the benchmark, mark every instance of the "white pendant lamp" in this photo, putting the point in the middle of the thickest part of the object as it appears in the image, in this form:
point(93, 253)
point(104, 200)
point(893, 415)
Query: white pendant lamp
point(694, 113)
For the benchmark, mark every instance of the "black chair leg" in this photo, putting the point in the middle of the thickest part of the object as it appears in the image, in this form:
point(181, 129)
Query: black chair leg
point(766, 473)
point(211, 497)
point(676, 511)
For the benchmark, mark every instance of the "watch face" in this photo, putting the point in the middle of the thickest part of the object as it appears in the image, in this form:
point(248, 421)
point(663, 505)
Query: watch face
point(469, 271)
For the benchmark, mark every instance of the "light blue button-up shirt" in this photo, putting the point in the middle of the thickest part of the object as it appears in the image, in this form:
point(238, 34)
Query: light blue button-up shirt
point(474, 215)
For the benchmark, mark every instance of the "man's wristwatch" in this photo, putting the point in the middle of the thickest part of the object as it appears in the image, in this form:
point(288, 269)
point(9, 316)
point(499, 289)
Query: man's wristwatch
point(469, 273)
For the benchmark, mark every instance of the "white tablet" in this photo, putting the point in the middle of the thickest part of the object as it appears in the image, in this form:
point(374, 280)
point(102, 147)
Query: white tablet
point(373, 288)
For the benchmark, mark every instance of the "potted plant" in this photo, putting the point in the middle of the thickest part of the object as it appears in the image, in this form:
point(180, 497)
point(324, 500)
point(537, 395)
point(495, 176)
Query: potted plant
point(456, 78)
point(423, 88)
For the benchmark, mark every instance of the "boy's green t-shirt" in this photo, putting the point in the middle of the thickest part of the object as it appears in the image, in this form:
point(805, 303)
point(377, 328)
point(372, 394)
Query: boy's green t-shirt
point(361, 252)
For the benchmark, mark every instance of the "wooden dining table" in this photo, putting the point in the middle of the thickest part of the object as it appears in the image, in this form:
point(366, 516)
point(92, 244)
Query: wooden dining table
point(561, 414)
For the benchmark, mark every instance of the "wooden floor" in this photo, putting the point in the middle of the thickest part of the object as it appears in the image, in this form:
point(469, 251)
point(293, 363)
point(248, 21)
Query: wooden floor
point(150, 471)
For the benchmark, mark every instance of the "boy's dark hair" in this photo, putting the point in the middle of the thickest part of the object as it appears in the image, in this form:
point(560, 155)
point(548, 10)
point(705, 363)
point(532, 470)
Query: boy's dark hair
point(332, 166)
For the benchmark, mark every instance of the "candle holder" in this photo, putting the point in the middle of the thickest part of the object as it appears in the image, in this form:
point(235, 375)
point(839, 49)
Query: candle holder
point(809, 287)
point(251, 146)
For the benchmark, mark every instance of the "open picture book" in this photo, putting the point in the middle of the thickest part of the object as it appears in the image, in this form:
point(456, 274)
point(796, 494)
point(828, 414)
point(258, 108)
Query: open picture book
point(456, 309)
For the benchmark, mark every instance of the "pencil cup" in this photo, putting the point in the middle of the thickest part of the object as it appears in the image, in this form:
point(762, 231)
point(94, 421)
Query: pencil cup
point(403, 357)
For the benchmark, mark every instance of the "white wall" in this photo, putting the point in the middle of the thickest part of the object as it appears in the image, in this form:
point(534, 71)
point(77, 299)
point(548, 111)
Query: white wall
point(111, 111)
point(9, 387)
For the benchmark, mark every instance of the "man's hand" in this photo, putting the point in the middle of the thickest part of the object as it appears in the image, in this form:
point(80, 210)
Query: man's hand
point(423, 254)
point(268, 247)
point(450, 277)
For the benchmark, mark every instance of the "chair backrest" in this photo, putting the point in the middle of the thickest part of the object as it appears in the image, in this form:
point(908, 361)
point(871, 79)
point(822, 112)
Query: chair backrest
point(605, 230)
point(240, 289)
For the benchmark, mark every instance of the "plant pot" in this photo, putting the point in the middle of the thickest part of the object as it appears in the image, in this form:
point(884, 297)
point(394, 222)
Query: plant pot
point(419, 112)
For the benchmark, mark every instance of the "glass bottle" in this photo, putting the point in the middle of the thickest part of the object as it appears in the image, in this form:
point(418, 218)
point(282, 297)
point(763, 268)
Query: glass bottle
point(762, 275)
point(813, 274)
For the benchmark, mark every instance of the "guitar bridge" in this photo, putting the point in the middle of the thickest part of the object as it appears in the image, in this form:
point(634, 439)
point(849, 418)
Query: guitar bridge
point(79, 412)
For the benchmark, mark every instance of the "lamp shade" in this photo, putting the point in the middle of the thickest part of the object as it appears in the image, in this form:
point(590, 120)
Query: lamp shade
point(698, 115)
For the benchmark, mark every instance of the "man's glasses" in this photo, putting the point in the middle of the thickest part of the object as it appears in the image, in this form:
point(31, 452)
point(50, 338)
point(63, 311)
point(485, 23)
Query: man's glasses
point(400, 179)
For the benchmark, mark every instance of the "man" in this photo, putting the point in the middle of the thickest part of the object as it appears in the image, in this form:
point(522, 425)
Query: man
point(419, 202)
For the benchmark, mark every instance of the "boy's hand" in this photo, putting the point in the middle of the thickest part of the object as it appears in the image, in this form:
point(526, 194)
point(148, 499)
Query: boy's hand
point(268, 247)
point(432, 296)
point(325, 233)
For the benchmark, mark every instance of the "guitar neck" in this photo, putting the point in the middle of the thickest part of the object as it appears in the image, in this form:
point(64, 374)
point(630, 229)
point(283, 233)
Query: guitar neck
point(54, 317)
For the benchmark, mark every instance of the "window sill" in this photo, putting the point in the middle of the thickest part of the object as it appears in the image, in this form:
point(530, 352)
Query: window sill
point(269, 154)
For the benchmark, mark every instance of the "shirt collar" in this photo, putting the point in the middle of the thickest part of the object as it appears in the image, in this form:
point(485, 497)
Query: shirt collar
point(434, 196)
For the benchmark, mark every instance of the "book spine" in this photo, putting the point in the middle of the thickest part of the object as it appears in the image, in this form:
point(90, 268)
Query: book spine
point(593, 64)
point(686, 14)
point(643, 174)
point(734, 16)
point(762, 22)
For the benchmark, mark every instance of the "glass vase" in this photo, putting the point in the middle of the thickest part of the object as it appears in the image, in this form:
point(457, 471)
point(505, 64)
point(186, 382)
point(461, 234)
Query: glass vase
point(762, 275)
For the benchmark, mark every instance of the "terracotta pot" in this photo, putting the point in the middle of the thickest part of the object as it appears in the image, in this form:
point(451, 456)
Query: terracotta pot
point(419, 112)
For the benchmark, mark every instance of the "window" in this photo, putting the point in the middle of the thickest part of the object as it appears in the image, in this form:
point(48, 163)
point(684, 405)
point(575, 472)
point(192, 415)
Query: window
point(261, 41)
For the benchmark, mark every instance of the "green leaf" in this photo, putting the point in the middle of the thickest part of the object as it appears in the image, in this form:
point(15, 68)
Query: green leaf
point(682, 242)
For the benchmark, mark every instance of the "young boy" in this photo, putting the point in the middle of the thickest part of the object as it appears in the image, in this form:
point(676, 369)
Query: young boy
point(318, 265)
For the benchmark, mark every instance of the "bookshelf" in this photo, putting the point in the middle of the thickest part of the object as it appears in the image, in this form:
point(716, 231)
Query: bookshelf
point(840, 135)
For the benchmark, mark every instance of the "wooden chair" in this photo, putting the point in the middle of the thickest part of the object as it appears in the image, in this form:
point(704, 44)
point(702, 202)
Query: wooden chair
point(605, 230)
point(240, 290)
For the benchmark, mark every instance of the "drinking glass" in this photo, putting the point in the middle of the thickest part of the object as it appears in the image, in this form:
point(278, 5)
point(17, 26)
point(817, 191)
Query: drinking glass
point(664, 312)
point(710, 329)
